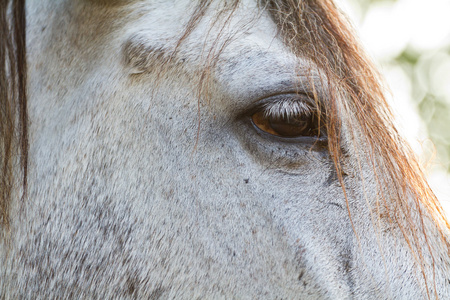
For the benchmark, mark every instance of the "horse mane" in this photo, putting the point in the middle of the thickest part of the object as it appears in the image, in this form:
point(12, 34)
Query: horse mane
point(314, 29)
point(13, 102)
point(317, 30)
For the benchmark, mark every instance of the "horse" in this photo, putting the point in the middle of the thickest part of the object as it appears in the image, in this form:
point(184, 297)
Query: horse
point(205, 150)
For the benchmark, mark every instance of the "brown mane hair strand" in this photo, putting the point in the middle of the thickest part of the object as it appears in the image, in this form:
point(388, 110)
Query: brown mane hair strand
point(13, 102)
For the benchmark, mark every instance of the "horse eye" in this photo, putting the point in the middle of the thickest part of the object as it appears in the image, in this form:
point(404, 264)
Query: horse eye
point(288, 127)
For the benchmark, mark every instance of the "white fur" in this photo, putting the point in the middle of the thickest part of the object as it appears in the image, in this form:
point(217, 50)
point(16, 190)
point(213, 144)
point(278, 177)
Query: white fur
point(125, 201)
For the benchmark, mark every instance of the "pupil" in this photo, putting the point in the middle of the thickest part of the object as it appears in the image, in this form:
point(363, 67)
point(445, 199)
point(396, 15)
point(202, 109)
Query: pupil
point(300, 126)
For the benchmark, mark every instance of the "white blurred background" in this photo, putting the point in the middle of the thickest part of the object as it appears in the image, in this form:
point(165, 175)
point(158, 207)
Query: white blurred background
point(410, 42)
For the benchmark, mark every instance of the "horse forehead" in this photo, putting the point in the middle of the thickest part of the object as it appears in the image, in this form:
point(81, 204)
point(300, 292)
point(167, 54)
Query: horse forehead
point(244, 29)
point(78, 28)
point(78, 31)
point(246, 49)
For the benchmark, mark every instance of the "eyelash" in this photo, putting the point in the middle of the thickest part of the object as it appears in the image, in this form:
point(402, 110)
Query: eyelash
point(286, 108)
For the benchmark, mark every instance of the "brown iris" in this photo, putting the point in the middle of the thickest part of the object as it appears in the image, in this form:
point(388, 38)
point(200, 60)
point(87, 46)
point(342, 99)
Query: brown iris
point(297, 126)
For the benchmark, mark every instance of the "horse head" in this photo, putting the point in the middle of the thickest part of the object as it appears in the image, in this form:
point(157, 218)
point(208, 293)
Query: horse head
point(210, 149)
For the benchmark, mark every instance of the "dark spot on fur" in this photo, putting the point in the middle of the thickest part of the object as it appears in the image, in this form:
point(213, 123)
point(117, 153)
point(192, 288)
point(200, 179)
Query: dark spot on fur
point(131, 286)
point(346, 259)
point(333, 178)
point(300, 276)
point(246, 180)
point(336, 204)
point(156, 293)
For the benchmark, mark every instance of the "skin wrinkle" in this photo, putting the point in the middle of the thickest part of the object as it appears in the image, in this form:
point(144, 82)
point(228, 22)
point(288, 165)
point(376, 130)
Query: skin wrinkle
point(140, 56)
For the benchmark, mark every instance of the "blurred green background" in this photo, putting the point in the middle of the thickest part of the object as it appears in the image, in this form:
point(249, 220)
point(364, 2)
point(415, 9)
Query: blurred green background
point(410, 42)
